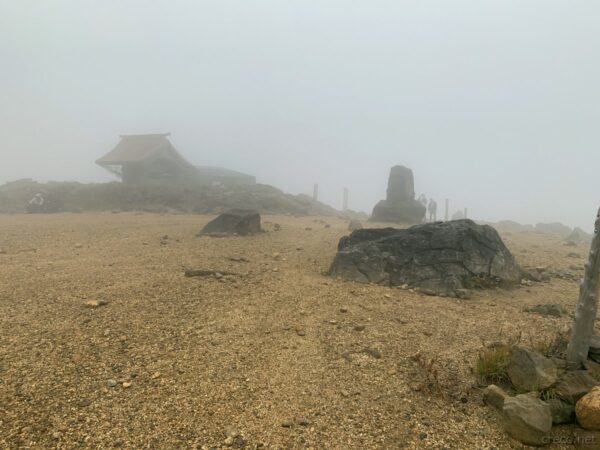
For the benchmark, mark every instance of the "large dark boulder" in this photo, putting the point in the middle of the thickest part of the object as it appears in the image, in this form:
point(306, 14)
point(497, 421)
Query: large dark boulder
point(443, 258)
point(400, 205)
point(236, 221)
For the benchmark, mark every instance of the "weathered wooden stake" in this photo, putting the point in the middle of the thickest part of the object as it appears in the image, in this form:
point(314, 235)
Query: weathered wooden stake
point(316, 192)
point(447, 208)
point(345, 203)
point(587, 306)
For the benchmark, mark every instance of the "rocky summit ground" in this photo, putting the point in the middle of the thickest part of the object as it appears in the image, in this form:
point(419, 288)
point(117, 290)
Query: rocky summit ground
point(104, 343)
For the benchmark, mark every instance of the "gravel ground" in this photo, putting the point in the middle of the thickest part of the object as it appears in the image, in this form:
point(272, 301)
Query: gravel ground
point(104, 343)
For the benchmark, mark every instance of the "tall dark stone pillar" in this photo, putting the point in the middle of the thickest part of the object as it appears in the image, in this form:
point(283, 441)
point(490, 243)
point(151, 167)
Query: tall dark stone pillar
point(400, 205)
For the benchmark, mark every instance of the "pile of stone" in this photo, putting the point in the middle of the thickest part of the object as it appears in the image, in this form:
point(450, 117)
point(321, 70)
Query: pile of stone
point(400, 205)
point(547, 395)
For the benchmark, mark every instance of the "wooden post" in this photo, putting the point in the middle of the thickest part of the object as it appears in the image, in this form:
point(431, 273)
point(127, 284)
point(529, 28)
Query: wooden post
point(345, 203)
point(587, 306)
point(447, 208)
point(316, 192)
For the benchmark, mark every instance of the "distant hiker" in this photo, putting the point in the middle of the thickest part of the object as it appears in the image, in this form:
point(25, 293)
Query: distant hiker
point(432, 209)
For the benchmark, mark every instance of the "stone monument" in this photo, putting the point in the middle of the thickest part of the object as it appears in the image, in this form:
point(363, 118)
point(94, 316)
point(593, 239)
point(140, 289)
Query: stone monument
point(400, 205)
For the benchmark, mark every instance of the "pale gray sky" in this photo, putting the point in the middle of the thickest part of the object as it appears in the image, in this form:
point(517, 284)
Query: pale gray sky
point(495, 104)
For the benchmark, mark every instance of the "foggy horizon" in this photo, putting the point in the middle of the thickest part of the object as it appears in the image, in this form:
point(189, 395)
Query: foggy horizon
point(493, 106)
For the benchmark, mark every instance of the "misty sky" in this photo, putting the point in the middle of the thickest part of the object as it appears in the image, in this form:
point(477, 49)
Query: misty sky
point(494, 104)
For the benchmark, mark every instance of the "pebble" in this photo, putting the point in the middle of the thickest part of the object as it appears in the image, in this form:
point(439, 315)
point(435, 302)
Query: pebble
point(232, 432)
point(343, 309)
point(287, 424)
point(126, 384)
point(300, 331)
point(373, 352)
point(111, 383)
point(359, 328)
point(303, 421)
point(95, 303)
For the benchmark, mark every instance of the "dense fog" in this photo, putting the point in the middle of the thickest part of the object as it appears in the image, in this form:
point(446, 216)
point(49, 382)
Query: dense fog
point(494, 104)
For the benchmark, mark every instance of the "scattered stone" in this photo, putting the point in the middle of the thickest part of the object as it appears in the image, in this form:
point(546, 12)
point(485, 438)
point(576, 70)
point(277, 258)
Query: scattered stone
point(111, 383)
point(359, 328)
point(241, 222)
point(573, 255)
point(587, 410)
point(300, 331)
point(562, 412)
point(303, 421)
point(84, 403)
point(594, 353)
point(373, 352)
point(345, 393)
point(440, 257)
point(494, 396)
point(126, 384)
point(538, 275)
point(232, 432)
point(593, 368)
point(78, 245)
point(343, 309)
point(95, 303)
point(238, 259)
point(527, 419)
point(287, 423)
point(573, 385)
point(554, 310)
point(528, 370)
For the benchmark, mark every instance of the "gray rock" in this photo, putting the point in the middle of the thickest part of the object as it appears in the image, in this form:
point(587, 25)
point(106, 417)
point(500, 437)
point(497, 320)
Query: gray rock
point(494, 396)
point(111, 383)
point(562, 412)
point(573, 385)
point(594, 354)
point(530, 371)
point(236, 221)
point(400, 205)
point(554, 310)
point(373, 352)
point(527, 419)
point(441, 258)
